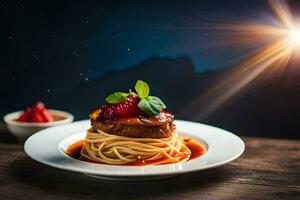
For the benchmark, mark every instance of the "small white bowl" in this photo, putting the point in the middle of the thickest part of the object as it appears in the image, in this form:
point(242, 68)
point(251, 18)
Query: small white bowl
point(23, 130)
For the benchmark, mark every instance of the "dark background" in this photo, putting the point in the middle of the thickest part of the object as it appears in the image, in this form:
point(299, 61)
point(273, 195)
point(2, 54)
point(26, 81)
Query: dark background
point(71, 54)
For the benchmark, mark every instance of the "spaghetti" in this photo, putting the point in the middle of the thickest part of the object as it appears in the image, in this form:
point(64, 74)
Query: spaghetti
point(119, 150)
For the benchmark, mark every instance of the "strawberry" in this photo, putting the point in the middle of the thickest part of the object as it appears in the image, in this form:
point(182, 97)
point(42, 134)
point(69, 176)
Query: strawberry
point(38, 106)
point(108, 112)
point(128, 108)
point(46, 115)
point(37, 117)
point(24, 117)
point(36, 113)
point(130, 104)
point(163, 111)
point(40, 109)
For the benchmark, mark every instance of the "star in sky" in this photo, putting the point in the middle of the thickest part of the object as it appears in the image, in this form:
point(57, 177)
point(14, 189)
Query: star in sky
point(75, 53)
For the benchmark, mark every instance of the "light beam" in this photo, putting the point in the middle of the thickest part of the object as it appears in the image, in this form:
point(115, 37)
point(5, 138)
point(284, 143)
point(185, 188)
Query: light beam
point(271, 59)
point(294, 35)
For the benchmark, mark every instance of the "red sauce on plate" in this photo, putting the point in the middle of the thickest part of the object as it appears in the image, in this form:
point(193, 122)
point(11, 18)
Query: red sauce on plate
point(196, 149)
point(74, 149)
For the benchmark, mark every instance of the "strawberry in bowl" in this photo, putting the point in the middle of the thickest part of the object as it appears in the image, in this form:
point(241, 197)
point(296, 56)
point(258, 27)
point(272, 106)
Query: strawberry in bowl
point(34, 118)
point(36, 113)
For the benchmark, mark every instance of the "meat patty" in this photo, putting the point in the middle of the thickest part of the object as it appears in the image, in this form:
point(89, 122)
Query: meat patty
point(137, 127)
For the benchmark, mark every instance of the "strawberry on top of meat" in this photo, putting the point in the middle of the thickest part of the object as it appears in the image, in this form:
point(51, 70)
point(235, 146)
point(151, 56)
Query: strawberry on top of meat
point(127, 108)
point(134, 114)
point(131, 104)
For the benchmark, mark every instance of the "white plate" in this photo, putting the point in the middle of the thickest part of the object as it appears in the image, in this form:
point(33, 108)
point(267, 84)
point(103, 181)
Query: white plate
point(47, 147)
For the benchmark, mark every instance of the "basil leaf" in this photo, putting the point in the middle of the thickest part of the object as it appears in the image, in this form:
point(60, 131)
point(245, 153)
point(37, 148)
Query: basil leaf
point(117, 97)
point(156, 102)
point(145, 106)
point(130, 92)
point(142, 89)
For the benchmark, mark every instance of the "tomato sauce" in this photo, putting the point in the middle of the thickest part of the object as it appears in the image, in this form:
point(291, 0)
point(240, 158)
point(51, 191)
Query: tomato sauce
point(196, 149)
point(74, 149)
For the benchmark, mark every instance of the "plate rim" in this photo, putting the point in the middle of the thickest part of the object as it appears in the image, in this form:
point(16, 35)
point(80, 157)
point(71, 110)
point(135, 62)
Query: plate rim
point(132, 174)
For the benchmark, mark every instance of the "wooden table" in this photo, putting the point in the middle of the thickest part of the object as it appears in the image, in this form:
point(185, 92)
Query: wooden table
point(269, 169)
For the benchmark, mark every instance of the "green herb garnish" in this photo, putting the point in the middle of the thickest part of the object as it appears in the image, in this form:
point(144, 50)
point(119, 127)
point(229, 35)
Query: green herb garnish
point(150, 105)
point(117, 97)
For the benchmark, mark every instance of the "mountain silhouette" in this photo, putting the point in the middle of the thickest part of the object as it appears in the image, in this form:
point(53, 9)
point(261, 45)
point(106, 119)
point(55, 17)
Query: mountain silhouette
point(173, 80)
point(267, 109)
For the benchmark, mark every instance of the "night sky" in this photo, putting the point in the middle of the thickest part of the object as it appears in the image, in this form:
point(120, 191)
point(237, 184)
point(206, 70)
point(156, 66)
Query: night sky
point(73, 41)
point(50, 48)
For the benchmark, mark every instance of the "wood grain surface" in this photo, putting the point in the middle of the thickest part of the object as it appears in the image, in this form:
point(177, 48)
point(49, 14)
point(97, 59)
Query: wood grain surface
point(268, 169)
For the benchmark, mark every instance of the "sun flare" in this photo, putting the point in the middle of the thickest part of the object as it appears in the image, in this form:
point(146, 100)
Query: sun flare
point(280, 43)
point(294, 35)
